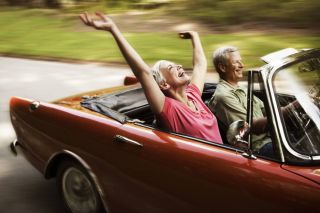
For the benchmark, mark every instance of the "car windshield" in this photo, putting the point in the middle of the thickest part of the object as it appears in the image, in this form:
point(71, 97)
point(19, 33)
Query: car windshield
point(298, 92)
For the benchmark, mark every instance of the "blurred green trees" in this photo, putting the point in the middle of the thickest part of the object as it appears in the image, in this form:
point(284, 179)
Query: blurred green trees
point(295, 12)
point(145, 4)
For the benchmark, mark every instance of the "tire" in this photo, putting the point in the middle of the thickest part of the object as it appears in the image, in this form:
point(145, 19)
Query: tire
point(77, 189)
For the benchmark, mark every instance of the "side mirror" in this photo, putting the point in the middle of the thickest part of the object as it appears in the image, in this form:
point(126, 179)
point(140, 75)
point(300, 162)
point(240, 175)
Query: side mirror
point(236, 132)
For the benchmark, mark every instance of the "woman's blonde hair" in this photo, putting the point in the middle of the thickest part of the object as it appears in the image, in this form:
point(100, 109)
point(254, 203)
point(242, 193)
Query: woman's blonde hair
point(155, 71)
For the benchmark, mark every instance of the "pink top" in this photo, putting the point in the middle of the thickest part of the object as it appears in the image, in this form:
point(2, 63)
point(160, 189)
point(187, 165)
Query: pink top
point(177, 117)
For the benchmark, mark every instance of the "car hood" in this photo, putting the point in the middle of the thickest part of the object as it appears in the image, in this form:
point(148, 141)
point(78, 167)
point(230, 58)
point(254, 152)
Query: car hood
point(311, 173)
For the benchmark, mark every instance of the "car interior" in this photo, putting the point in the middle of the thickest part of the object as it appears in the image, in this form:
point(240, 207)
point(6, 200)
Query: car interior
point(131, 105)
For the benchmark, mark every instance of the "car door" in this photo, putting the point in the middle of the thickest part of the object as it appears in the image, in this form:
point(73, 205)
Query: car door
point(148, 170)
point(155, 171)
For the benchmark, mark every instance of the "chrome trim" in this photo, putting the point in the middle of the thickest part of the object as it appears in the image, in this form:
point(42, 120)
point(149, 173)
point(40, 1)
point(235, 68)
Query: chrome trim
point(122, 139)
point(34, 105)
point(278, 55)
point(86, 166)
point(248, 153)
point(250, 105)
point(249, 156)
point(264, 74)
point(229, 147)
point(316, 157)
point(13, 145)
point(277, 115)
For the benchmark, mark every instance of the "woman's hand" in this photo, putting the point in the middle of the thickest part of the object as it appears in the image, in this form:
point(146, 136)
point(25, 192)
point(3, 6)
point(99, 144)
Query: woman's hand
point(100, 21)
point(187, 34)
point(199, 59)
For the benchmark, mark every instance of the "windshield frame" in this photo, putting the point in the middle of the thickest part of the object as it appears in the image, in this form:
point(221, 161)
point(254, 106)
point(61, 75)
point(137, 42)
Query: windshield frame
point(270, 71)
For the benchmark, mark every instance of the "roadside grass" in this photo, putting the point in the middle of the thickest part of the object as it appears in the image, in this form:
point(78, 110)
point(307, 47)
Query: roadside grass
point(51, 34)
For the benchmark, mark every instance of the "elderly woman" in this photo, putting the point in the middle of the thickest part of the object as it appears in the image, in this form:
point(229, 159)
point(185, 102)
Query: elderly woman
point(174, 97)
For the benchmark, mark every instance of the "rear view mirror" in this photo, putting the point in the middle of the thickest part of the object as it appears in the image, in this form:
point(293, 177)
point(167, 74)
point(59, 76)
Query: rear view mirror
point(236, 132)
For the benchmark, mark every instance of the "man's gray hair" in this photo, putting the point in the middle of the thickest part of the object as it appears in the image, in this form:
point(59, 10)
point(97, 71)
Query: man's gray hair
point(155, 71)
point(220, 56)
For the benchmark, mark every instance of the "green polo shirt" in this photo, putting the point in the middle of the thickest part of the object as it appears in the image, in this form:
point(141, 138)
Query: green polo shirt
point(229, 104)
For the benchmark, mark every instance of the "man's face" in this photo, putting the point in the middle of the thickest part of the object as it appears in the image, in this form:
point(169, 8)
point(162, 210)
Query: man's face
point(234, 67)
point(174, 74)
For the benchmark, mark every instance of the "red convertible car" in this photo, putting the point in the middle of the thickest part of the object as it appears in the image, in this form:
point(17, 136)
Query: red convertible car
point(108, 155)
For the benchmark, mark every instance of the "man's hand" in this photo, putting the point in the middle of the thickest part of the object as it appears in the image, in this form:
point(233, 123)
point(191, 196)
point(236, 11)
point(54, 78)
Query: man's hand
point(100, 21)
point(187, 34)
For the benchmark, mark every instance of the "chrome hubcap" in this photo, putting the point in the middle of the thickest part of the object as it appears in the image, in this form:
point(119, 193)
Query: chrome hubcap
point(78, 191)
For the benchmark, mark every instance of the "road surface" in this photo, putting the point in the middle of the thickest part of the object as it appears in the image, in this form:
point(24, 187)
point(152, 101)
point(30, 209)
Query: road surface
point(22, 188)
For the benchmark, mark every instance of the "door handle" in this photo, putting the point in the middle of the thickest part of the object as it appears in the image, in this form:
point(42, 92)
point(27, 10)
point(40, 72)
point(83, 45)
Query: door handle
point(122, 139)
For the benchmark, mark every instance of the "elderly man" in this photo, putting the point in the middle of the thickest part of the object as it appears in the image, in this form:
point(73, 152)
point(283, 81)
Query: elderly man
point(229, 102)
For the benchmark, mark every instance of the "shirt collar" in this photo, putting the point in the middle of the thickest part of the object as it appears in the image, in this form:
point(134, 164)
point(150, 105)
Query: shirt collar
point(230, 86)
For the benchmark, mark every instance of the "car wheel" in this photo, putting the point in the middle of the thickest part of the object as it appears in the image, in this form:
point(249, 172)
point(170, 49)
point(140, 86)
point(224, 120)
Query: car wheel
point(77, 189)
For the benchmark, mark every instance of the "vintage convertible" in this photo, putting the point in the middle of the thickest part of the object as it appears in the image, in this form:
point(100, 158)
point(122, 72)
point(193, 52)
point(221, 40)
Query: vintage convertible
point(108, 154)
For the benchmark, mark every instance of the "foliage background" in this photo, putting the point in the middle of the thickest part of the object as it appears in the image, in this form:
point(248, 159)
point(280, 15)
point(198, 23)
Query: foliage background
point(289, 12)
point(299, 13)
point(50, 29)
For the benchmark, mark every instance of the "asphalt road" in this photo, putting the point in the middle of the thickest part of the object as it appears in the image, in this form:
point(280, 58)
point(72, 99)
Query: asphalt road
point(23, 188)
